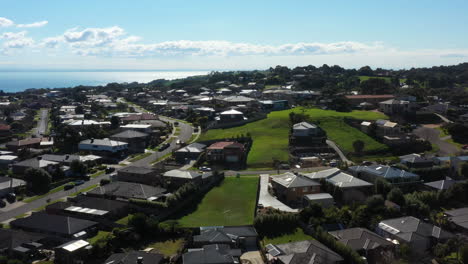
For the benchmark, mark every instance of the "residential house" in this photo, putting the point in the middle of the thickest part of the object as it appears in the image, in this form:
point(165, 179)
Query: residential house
point(128, 190)
point(308, 251)
point(34, 163)
point(137, 141)
point(352, 189)
point(325, 200)
point(5, 130)
point(419, 235)
point(387, 128)
point(135, 257)
point(225, 151)
point(189, 152)
point(458, 219)
point(138, 117)
point(143, 128)
point(138, 174)
point(18, 145)
point(355, 100)
point(292, 187)
point(236, 236)
point(67, 159)
point(7, 160)
point(80, 124)
point(391, 174)
point(238, 100)
point(103, 146)
point(416, 161)
point(63, 226)
point(274, 105)
point(177, 178)
point(366, 126)
point(440, 185)
point(394, 106)
point(18, 242)
point(306, 134)
point(230, 116)
point(90, 208)
point(72, 252)
point(368, 244)
point(9, 185)
point(217, 253)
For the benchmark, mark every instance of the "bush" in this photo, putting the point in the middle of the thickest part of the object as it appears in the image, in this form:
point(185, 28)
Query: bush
point(104, 182)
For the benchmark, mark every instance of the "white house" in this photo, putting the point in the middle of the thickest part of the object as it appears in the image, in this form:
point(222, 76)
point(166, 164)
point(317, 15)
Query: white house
point(305, 129)
point(103, 145)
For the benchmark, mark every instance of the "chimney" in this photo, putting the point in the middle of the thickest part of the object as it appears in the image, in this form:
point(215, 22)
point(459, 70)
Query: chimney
point(140, 260)
point(66, 157)
point(92, 140)
point(39, 158)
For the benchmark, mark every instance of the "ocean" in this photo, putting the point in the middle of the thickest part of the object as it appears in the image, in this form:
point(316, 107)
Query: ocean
point(16, 81)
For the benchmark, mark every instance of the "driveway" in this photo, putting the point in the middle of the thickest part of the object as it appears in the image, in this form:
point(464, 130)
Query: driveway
point(432, 135)
point(267, 200)
point(343, 158)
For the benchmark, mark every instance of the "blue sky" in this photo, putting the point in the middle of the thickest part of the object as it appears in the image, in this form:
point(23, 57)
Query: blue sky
point(144, 34)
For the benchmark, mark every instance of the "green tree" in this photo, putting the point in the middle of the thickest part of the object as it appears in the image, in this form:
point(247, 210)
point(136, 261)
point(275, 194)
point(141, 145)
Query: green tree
point(115, 122)
point(78, 168)
point(358, 146)
point(463, 253)
point(38, 180)
point(396, 196)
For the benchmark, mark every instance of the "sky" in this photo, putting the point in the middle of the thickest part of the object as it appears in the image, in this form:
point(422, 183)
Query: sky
point(230, 35)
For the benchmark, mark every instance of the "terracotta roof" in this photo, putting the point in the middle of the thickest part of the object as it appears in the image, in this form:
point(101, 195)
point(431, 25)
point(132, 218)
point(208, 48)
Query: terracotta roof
point(224, 144)
point(5, 127)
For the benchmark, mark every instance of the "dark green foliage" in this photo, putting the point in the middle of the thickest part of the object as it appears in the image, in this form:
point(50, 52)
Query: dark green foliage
point(396, 196)
point(358, 146)
point(38, 180)
point(276, 223)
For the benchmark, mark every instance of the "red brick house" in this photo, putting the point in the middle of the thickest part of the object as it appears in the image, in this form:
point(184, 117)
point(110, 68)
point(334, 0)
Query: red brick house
point(225, 151)
point(291, 188)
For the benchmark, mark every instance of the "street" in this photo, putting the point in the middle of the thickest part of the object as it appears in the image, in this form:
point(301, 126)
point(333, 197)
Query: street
point(432, 135)
point(41, 127)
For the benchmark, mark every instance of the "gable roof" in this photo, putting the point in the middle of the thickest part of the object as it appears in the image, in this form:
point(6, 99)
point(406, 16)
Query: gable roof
point(60, 158)
point(291, 180)
point(360, 238)
point(193, 148)
point(35, 163)
point(103, 142)
point(338, 178)
point(224, 144)
point(442, 184)
point(58, 224)
point(388, 172)
point(137, 170)
point(458, 216)
point(224, 234)
point(132, 257)
point(304, 125)
point(128, 190)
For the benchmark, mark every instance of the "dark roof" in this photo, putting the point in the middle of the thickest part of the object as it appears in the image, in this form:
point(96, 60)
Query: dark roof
point(212, 254)
point(360, 238)
point(410, 228)
point(442, 184)
point(58, 224)
point(194, 147)
point(458, 216)
point(308, 251)
point(137, 170)
point(10, 238)
point(132, 256)
point(224, 234)
point(34, 163)
point(60, 158)
point(387, 172)
point(99, 203)
point(291, 180)
point(128, 190)
point(129, 134)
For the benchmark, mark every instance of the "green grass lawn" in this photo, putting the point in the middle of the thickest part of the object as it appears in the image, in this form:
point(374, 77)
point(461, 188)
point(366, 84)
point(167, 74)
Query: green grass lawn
point(298, 235)
point(87, 189)
point(124, 220)
point(168, 247)
point(270, 135)
point(139, 157)
point(96, 174)
point(99, 235)
point(231, 203)
point(33, 198)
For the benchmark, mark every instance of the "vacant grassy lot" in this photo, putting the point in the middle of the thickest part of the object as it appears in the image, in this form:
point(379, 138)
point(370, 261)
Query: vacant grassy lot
point(298, 235)
point(231, 203)
point(169, 247)
point(99, 235)
point(270, 135)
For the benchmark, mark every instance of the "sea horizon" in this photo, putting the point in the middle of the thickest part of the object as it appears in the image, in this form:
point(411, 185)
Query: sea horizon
point(15, 80)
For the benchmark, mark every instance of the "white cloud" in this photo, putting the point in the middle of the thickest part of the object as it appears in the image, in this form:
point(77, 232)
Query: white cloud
point(5, 22)
point(33, 25)
point(16, 40)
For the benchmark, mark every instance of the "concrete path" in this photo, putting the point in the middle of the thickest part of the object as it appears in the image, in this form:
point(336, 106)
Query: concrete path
point(267, 200)
point(446, 120)
point(432, 135)
point(343, 158)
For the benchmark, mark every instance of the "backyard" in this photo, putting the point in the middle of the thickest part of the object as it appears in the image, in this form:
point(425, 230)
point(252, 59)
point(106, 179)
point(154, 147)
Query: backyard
point(270, 135)
point(297, 235)
point(231, 203)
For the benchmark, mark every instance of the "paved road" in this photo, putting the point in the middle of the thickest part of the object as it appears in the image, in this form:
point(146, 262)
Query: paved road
point(42, 123)
point(343, 158)
point(185, 134)
point(267, 200)
point(432, 135)
point(446, 120)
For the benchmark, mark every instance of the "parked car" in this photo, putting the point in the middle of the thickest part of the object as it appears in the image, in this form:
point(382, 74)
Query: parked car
point(109, 170)
point(205, 168)
point(465, 147)
point(11, 197)
point(68, 186)
point(79, 182)
point(164, 146)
